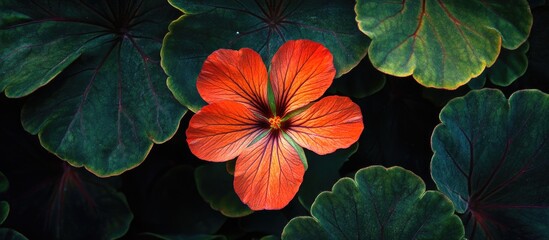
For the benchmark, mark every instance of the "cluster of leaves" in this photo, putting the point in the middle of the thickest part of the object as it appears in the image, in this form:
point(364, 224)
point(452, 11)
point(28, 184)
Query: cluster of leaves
point(101, 82)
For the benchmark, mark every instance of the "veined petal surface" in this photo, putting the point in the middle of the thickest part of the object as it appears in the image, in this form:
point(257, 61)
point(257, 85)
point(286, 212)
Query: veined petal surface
point(221, 131)
point(331, 123)
point(300, 73)
point(268, 174)
point(234, 75)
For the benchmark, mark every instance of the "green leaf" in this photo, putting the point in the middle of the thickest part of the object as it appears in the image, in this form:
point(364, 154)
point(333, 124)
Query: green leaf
point(49, 199)
point(323, 172)
point(4, 206)
point(362, 82)
point(379, 203)
point(60, 205)
point(445, 43)
point(261, 25)
point(10, 234)
point(510, 65)
point(215, 185)
point(109, 102)
point(4, 211)
point(490, 158)
point(475, 83)
point(174, 206)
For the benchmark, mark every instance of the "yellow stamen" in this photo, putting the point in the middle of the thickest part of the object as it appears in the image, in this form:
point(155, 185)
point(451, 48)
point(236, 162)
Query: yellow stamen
point(275, 122)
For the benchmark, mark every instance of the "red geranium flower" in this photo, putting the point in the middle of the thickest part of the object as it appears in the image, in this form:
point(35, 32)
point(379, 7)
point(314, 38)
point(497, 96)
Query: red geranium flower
point(264, 120)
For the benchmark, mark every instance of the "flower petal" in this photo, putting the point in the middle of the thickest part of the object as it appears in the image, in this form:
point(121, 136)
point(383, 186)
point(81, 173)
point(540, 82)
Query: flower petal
point(301, 71)
point(233, 75)
point(331, 123)
point(221, 131)
point(268, 174)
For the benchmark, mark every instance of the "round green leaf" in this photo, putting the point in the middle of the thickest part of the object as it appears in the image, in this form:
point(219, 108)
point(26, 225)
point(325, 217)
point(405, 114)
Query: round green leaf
point(379, 203)
point(491, 159)
point(443, 43)
point(322, 173)
point(215, 185)
point(260, 25)
point(10, 234)
point(109, 102)
point(510, 65)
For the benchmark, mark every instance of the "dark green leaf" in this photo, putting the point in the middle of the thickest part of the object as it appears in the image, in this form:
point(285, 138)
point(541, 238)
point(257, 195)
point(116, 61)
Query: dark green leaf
point(444, 43)
point(10, 234)
point(4, 211)
point(491, 160)
point(175, 207)
point(215, 185)
point(260, 25)
point(510, 65)
point(323, 172)
point(62, 205)
point(379, 203)
point(109, 102)
point(475, 83)
point(4, 206)
point(364, 81)
point(49, 199)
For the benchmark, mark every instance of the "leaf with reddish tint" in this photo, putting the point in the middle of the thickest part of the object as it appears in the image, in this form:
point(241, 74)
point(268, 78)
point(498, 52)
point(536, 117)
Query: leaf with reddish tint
point(491, 160)
point(263, 26)
point(379, 203)
point(442, 43)
point(73, 197)
point(107, 102)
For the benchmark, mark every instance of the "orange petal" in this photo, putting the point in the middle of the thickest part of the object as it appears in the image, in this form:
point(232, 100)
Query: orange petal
point(301, 71)
point(268, 174)
point(221, 131)
point(331, 123)
point(233, 75)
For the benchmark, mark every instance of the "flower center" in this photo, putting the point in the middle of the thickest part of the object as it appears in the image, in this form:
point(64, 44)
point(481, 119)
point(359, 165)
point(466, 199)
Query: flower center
point(275, 122)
